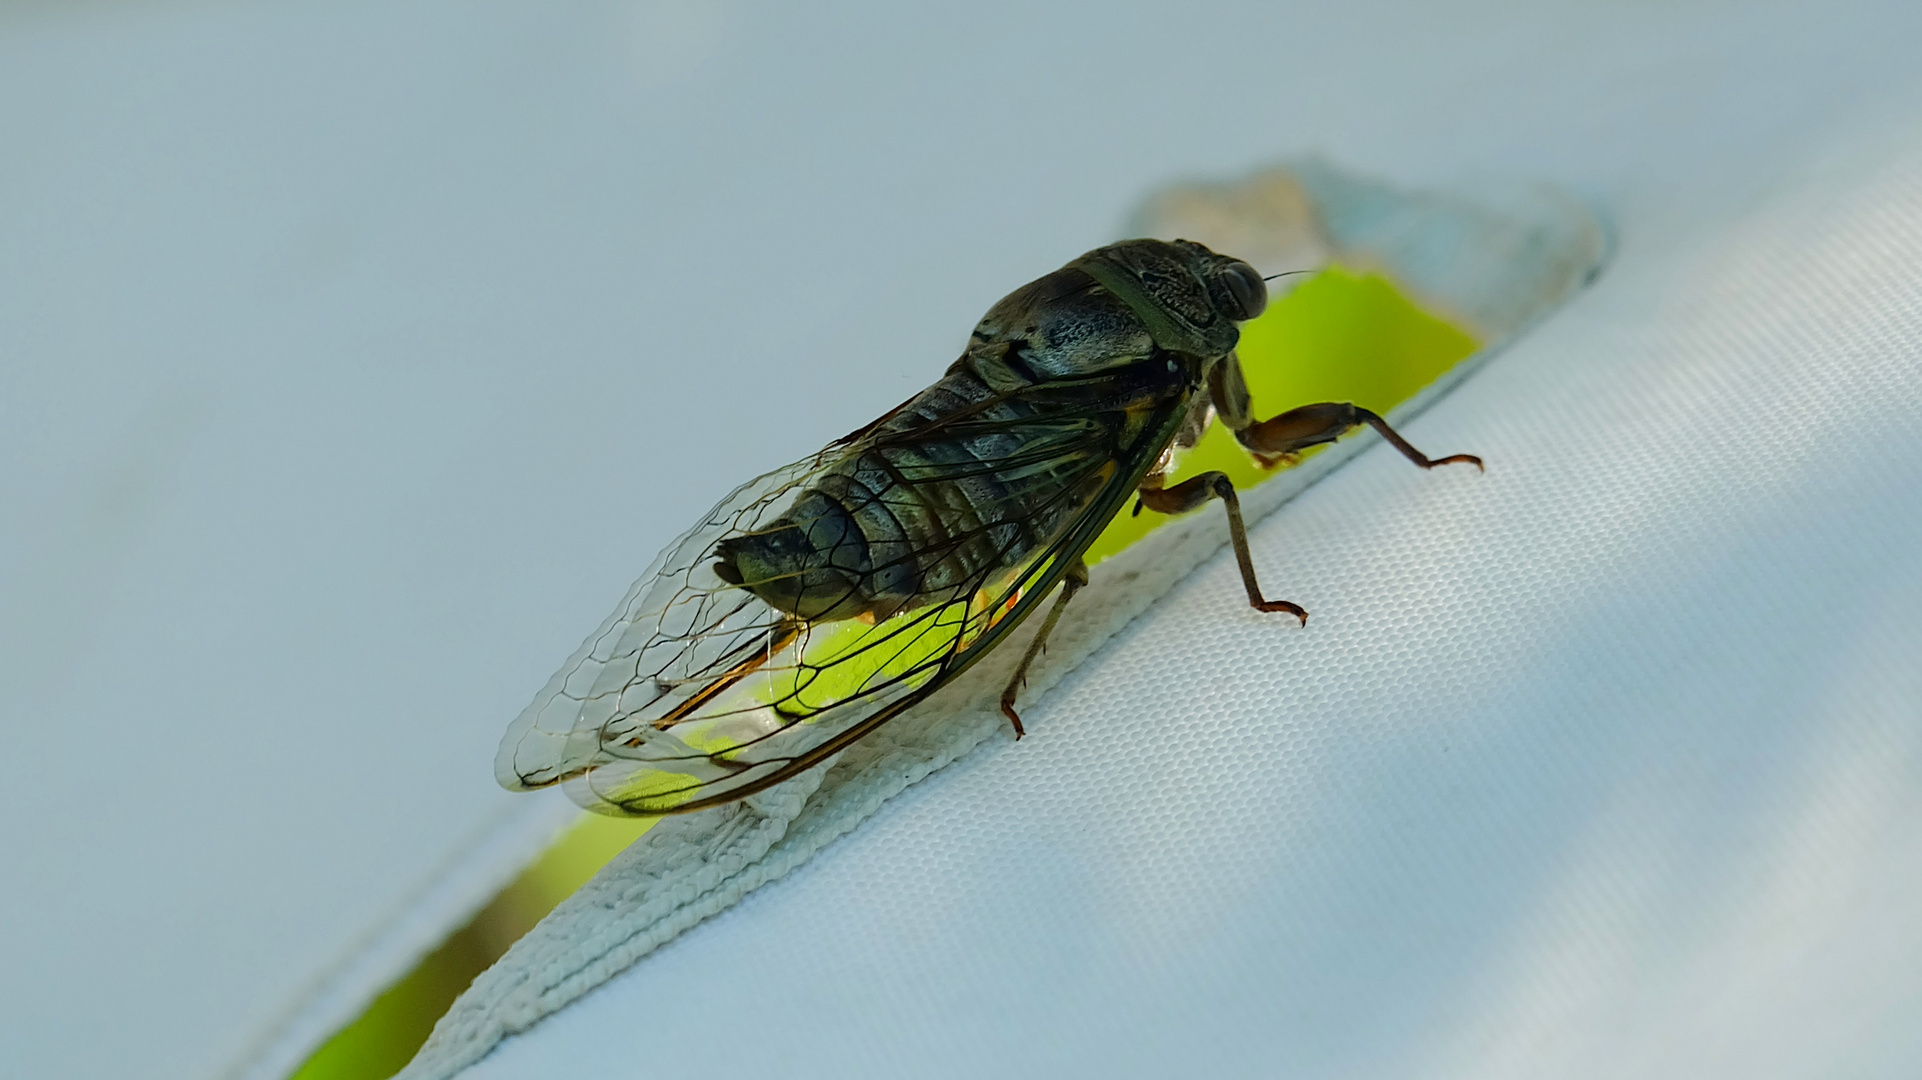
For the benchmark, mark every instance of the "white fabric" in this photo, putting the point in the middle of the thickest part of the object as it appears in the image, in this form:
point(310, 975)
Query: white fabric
point(354, 356)
point(1608, 763)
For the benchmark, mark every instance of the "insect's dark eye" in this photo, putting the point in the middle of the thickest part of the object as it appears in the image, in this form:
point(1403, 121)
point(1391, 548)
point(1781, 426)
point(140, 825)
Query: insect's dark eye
point(1246, 294)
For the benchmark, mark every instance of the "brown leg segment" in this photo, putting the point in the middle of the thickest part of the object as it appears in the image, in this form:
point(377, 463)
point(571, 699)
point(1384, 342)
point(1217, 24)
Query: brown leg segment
point(1076, 578)
point(1190, 494)
point(1311, 425)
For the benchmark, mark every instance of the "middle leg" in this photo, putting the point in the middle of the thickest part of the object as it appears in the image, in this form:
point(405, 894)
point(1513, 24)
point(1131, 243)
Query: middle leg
point(1194, 491)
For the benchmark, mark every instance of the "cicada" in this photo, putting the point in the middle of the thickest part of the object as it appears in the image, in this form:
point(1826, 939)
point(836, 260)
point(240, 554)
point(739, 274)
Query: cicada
point(816, 603)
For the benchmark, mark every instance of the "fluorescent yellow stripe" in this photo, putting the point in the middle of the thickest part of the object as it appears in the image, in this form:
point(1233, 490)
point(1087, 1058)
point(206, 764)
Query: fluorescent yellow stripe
point(384, 1038)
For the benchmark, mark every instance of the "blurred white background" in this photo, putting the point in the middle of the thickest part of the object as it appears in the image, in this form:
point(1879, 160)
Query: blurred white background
point(354, 357)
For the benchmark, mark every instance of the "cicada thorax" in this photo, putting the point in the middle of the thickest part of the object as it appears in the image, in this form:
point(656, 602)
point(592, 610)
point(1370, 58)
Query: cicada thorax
point(979, 471)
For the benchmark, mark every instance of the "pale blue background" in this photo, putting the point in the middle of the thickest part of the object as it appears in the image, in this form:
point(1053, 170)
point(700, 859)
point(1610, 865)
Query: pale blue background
point(353, 357)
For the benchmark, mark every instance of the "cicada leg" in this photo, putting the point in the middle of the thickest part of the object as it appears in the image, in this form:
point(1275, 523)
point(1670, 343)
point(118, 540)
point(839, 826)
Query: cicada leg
point(1191, 493)
point(1311, 425)
point(1077, 576)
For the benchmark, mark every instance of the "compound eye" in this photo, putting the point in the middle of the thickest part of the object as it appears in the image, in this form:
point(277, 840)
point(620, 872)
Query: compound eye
point(1246, 292)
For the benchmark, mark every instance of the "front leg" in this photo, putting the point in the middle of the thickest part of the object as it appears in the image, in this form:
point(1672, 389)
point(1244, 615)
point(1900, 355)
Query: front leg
point(1190, 494)
point(1311, 425)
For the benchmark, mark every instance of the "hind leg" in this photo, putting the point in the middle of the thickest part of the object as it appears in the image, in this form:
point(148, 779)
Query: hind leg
point(1077, 577)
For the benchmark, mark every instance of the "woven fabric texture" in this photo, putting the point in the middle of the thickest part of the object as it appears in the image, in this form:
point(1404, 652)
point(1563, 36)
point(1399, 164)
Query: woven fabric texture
point(1607, 763)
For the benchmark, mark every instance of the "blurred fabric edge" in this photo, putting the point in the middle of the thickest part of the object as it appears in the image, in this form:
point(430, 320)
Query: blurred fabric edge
point(1673, 623)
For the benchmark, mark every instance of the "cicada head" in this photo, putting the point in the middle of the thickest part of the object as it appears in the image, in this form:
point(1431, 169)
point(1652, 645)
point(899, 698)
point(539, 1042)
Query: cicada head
point(1189, 297)
point(1236, 287)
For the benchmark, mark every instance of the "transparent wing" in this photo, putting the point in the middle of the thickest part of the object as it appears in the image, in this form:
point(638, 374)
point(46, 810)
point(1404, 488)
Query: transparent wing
point(696, 692)
point(557, 737)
